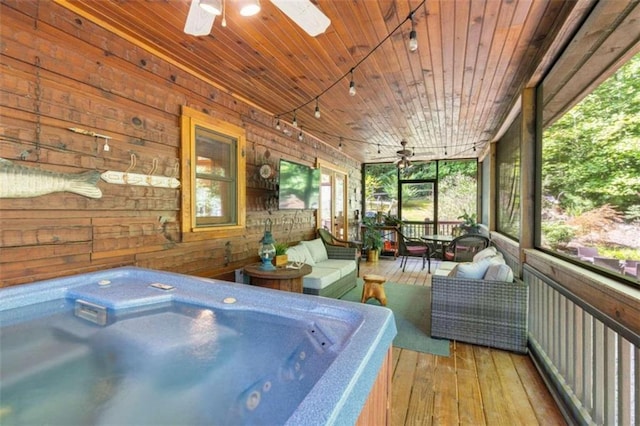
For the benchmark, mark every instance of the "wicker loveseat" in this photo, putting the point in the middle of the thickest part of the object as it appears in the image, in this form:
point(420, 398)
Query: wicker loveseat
point(483, 312)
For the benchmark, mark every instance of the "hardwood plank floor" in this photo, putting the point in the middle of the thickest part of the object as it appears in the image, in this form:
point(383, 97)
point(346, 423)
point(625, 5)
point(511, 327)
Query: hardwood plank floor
point(476, 385)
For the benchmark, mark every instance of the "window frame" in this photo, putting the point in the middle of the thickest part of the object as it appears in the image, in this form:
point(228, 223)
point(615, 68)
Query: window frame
point(191, 120)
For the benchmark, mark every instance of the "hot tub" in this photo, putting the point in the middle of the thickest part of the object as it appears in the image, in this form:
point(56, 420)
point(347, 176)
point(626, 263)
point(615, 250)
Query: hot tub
point(136, 346)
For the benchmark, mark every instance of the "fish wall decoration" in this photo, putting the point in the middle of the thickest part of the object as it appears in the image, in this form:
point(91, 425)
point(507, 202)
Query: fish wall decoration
point(18, 181)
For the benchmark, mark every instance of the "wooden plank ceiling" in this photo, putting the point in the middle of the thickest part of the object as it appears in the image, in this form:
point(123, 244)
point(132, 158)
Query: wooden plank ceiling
point(448, 99)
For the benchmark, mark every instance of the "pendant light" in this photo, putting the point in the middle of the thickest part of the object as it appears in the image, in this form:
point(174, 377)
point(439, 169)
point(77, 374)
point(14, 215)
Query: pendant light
point(294, 123)
point(413, 37)
point(317, 112)
point(352, 85)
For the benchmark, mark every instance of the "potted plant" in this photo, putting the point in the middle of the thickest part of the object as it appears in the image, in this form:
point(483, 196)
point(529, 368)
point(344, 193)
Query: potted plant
point(469, 223)
point(372, 240)
point(281, 258)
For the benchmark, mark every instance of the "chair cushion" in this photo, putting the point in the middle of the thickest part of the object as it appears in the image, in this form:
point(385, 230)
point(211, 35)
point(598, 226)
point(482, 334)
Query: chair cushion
point(499, 272)
point(300, 253)
point(416, 250)
point(317, 250)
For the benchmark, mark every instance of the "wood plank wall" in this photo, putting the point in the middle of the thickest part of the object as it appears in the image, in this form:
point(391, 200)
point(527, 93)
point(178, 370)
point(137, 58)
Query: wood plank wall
point(61, 71)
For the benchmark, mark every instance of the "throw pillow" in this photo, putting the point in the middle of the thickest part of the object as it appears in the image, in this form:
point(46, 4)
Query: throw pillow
point(317, 250)
point(499, 272)
point(484, 253)
point(300, 253)
point(476, 270)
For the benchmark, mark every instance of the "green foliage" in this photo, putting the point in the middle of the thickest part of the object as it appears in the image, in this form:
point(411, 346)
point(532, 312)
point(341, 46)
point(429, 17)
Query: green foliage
point(633, 213)
point(556, 234)
point(281, 248)
point(591, 155)
point(468, 219)
point(372, 236)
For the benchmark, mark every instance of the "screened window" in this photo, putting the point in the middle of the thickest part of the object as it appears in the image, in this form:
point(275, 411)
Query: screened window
point(590, 199)
point(213, 181)
point(508, 181)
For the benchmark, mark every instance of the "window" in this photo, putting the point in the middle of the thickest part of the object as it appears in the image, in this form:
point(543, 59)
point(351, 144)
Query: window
point(508, 181)
point(213, 176)
point(591, 180)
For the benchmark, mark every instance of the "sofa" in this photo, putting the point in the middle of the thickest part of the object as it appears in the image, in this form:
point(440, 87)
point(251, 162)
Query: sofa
point(480, 302)
point(333, 268)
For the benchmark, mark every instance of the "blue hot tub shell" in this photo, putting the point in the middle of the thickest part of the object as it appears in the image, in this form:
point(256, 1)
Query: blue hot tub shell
point(357, 335)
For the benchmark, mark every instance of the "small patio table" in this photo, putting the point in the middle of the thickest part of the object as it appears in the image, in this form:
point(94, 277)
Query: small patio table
point(439, 241)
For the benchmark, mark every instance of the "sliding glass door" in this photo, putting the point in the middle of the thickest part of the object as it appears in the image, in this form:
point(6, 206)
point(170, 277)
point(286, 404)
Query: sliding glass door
point(333, 202)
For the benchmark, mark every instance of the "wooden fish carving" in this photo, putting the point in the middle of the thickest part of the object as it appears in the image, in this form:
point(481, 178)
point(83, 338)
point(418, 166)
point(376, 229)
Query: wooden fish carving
point(18, 181)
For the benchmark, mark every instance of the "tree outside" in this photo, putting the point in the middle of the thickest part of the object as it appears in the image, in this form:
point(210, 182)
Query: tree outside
point(591, 171)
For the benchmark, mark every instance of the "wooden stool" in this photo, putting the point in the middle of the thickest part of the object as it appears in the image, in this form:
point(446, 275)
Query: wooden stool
point(373, 288)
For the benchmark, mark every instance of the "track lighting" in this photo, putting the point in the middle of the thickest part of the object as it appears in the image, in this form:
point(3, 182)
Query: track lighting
point(294, 123)
point(413, 37)
point(212, 6)
point(352, 85)
point(249, 7)
point(317, 113)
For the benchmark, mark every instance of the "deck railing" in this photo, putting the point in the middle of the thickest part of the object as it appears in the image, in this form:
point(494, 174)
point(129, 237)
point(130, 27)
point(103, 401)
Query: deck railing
point(415, 229)
point(592, 360)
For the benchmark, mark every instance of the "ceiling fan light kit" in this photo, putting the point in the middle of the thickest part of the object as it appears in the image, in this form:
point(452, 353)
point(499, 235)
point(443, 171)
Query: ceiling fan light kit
point(249, 7)
point(212, 6)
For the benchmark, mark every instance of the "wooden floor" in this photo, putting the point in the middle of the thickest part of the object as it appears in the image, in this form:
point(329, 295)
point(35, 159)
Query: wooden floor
point(474, 386)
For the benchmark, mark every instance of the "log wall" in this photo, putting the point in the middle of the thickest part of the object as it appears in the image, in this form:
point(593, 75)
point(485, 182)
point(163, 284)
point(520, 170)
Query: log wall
point(60, 71)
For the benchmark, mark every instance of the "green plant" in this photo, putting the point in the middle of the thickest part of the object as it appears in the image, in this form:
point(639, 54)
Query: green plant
point(392, 220)
point(281, 248)
point(468, 219)
point(372, 236)
point(556, 234)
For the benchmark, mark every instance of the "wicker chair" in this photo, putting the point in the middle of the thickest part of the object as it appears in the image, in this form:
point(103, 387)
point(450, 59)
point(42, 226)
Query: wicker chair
point(464, 247)
point(330, 240)
point(413, 247)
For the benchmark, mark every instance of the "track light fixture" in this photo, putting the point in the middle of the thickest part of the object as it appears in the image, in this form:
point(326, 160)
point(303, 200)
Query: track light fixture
point(413, 37)
point(294, 123)
point(352, 85)
point(212, 6)
point(317, 113)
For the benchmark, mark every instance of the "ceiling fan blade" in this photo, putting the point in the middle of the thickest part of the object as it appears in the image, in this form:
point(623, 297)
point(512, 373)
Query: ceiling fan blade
point(199, 21)
point(305, 14)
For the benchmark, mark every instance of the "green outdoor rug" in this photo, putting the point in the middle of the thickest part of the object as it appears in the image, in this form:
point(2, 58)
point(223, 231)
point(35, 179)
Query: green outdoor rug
point(411, 306)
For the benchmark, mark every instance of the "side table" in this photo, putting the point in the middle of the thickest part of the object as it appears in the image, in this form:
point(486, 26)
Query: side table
point(282, 278)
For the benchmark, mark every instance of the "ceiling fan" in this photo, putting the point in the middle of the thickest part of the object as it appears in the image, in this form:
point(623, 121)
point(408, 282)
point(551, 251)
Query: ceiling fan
point(202, 13)
point(403, 156)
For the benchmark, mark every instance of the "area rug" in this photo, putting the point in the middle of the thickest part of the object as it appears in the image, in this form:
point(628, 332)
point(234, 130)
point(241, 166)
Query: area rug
point(411, 306)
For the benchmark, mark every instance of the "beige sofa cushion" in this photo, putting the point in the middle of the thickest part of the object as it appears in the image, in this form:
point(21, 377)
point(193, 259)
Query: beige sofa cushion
point(320, 277)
